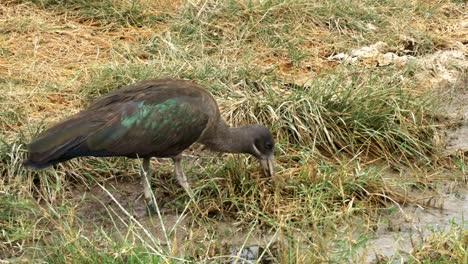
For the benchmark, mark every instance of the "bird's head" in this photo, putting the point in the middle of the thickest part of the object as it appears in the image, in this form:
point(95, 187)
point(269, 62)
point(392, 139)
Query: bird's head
point(262, 147)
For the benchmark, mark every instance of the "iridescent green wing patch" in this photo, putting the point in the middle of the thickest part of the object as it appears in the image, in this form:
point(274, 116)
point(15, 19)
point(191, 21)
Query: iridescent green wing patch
point(143, 113)
point(144, 127)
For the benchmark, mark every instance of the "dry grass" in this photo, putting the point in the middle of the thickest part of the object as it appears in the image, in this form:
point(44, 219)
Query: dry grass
point(338, 127)
point(443, 247)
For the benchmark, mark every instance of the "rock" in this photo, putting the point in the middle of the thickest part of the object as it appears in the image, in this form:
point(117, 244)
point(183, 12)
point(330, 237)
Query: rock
point(442, 67)
point(370, 51)
point(362, 53)
point(339, 56)
point(391, 58)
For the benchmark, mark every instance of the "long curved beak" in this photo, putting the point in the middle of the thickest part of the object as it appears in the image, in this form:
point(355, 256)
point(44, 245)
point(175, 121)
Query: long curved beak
point(268, 164)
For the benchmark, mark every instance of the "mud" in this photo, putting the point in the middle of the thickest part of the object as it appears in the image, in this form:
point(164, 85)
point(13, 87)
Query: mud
point(119, 204)
point(98, 209)
point(398, 233)
point(457, 111)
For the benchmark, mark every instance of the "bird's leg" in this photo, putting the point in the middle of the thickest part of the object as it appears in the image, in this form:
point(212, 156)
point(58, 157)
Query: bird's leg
point(145, 171)
point(180, 175)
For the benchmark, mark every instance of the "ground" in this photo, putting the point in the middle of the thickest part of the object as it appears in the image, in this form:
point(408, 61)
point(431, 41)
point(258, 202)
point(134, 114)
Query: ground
point(366, 100)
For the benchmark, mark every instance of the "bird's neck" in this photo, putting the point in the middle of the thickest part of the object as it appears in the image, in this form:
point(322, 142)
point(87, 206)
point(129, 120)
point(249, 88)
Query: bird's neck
point(230, 140)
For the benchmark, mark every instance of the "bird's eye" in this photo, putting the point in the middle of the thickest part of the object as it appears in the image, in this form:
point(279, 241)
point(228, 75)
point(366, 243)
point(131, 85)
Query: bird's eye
point(268, 145)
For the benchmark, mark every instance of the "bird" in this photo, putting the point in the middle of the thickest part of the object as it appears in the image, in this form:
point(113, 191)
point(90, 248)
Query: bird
point(157, 118)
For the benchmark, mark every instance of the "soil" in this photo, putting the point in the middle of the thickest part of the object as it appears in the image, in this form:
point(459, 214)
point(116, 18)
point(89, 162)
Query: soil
point(457, 109)
point(120, 202)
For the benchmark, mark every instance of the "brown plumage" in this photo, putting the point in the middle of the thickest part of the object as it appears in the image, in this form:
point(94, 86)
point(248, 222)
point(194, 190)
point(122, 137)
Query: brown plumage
point(153, 118)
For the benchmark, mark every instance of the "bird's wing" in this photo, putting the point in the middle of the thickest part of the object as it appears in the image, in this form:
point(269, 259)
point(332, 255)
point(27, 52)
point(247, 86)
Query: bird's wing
point(162, 129)
point(131, 128)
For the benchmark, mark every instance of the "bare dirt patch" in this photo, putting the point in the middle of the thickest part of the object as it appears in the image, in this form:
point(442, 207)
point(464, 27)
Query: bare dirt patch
point(119, 205)
point(457, 110)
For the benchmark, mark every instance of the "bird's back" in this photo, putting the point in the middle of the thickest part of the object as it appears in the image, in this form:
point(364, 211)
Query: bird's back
point(157, 118)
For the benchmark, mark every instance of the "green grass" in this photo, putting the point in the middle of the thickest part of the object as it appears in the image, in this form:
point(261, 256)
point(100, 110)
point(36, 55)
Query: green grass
point(84, 251)
point(352, 140)
point(107, 12)
point(16, 221)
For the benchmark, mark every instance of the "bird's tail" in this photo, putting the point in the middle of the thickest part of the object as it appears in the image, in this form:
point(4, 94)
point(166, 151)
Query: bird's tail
point(43, 153)
point(59, 143)
point(30, 163)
